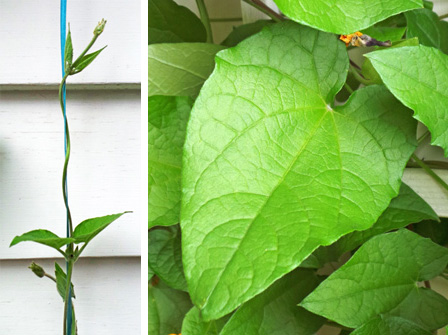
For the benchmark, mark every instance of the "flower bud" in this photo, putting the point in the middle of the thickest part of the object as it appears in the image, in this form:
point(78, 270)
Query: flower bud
point(100, 27)
point(37, 269)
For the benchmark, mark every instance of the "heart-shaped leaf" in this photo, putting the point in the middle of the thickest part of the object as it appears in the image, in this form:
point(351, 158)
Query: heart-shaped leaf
point(88, 229)
point(193, 324)
point(167, 123)
point(170, 23)
point(180, 68)
point(418, 77)
point(390, 325)
point(275, 311)
point(271, 171)
point(242, 32)
point(379, 278)
point(43, 237)
point(343, 16)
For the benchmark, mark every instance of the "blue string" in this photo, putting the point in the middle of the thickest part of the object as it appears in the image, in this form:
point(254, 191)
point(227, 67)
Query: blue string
point(63, 23)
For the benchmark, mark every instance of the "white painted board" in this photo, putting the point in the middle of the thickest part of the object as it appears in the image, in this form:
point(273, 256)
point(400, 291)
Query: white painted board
point(107, 290)
point(104, 174)
point(30, 41)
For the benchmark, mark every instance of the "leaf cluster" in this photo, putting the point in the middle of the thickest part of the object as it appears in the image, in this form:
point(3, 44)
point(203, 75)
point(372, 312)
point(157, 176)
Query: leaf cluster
point(276, 201)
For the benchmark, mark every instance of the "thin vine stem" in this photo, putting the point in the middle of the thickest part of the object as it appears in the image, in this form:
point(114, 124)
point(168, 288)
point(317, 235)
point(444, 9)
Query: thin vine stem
point(67, 293)
point(422, 138)
point(205, 19)
point(444, 16)
point(430, 172)
point(262, 7)
point(358, 77)
point(348, 88)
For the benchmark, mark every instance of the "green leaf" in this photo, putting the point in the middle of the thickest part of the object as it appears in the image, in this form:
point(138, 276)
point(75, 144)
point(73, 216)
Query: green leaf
point(263, 137)
point(428, 4)
point(170, 23)
point(165, 256)
point(344, 94)
point(385, 33)
point(275, 311)
point(390, 325)
point(181, 68)
point(167, 122)
point(68, 52)
point(88, 229)
point(436, 231)
point(166, 310)
point(418, 77)
point(61, 282)
point(424, 24)
point(343, 16)
point(408, 207)
point(244, 31)
point(378, 278)
point(194, 324)
point(43, 237)
point(82, 63)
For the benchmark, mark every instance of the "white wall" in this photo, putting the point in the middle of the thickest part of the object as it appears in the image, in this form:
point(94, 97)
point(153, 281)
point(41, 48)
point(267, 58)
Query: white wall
point(104, 173)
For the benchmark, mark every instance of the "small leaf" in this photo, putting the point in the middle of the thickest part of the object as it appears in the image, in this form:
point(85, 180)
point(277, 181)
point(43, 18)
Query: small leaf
point(61, 281)
point(88, 229)
point(166, 309)
point(170, 23)
point(343, 16)
point(43, 237)
point(275, 311)
point(418, 77)
point(244, 31)
point(68, 53)
point(167, 123)
point(378, 278)
point(165, 256)
point(81, 64)
point(193, 324)
point(390, 325)
point(385, 33)
point(180, 68)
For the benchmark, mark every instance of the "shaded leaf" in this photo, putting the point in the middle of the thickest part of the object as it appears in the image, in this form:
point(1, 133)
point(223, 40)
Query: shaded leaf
point(271, 171)
point(418, 77)
point(385, 33)
point(194, 324)
point(275, 311)
point(166, 309)
point(170, 23)
point(88, 229)
point(167, 122)
point(244, 31)
point(165, 256)
point(181, 68)
point(343, 16)
point(61, 282)
point(82, 63)
point(43, 237)
point(436, 231)
point(390, 325)
point(378, 278)
point(424, 24)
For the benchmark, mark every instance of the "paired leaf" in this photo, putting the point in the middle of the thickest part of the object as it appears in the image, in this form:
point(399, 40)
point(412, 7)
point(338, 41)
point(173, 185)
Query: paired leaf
point(170, 23)
point(165, 256)
point(244, 31)
point(390, 325)
point(43, 237)
point(81, 63)
point(418, 77)
point(275, 311)
point(379, 278)
point(61, 282)
point(193, 324)
point(167, 122)
point(166, 310)
point(343, 16)
point(181, 68)
point(88, 229)
point(263, 137)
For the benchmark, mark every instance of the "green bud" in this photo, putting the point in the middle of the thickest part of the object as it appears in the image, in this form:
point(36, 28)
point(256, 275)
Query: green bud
point(37, 269)
point(100, 27)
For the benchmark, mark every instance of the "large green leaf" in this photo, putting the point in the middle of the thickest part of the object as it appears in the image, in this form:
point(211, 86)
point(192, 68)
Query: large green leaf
point(418, 77)
point(424, 24)
point(170, 23)
point(379, 277)
point(167, 122)
point(180, 68)
point(408, 207)
point(390, 325)
point(194, 324)
point(42, 236)
point(166, 309)
point(88, 229)
point(275, 311)
point(165, 256)
point(271, 171)
point(343, 16)
point(244, 31)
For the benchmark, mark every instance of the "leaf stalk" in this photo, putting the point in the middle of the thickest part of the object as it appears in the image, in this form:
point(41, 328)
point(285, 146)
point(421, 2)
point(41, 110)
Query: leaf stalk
point(205, 19)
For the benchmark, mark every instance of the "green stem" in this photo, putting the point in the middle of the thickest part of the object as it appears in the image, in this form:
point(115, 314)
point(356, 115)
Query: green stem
point(265, 9)
point(444, 16)
point(227, 19)
point(67, 293)
point(348, 88)
point(428, 170)
point(422, 138)
point(205, 20)
point(358, 77)
point(95, 36)
point(50, 276)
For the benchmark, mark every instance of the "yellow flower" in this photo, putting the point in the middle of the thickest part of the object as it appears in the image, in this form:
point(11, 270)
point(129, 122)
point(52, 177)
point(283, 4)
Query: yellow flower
point(347, 38)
